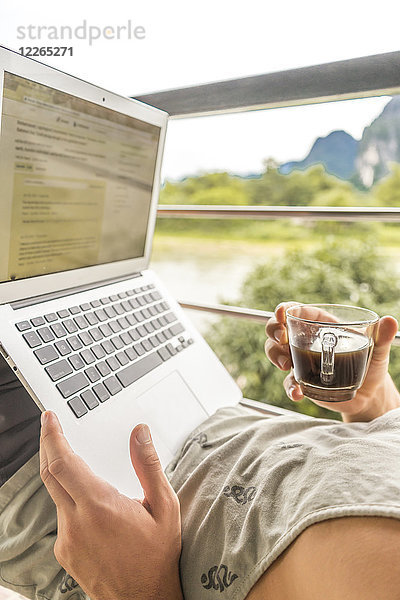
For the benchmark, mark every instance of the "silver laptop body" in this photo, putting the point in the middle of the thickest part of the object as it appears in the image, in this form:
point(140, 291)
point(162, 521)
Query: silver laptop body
point(90, 331)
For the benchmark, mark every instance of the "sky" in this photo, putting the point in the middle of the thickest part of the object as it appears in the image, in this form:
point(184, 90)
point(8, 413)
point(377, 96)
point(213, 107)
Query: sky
point(181, 43)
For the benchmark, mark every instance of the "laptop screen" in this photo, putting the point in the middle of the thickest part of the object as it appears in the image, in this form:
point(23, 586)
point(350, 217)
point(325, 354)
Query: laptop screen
point(76, 181)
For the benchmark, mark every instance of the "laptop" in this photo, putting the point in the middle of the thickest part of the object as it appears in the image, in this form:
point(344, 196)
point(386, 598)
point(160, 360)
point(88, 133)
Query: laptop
point(90, 331)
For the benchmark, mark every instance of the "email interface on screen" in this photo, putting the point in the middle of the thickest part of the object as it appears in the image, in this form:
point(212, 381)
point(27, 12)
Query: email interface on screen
point(76, 181)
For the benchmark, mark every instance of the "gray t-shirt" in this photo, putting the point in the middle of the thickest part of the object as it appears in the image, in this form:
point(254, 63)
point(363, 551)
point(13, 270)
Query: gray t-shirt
point(248, 484)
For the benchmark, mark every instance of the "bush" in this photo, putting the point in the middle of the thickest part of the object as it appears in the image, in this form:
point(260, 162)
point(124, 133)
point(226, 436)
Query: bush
point(335, 272)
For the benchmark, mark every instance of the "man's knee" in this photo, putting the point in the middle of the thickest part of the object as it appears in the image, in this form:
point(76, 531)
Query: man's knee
point(19, 424)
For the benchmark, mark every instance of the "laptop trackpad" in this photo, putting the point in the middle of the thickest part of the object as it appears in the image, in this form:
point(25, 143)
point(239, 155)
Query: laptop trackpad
point(173, 411)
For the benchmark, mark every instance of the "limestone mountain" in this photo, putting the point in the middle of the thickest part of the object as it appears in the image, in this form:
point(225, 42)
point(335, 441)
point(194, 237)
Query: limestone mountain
point(363, 161)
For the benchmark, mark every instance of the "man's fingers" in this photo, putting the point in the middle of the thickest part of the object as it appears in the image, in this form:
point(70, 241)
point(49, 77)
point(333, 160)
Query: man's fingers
point(146, 463)
point(292, 388)
point(280, 311)
point(278, 355)
point(60, 497)
point(70, 471)
point(276, 331)
point(387, 329)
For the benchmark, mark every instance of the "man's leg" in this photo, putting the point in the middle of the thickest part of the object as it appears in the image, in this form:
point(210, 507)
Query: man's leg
point(19, 424)
point(28, 520)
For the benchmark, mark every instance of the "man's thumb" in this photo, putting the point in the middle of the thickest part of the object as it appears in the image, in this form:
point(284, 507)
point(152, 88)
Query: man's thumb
point(147, 466)
point(387, 330)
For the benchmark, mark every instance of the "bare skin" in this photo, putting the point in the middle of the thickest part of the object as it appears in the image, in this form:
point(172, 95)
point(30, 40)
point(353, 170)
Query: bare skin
point(352, 557)
point(102, 534)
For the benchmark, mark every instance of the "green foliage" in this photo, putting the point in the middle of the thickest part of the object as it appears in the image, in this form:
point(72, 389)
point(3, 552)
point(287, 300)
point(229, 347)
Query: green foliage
point(387, 192)
point(352, 273)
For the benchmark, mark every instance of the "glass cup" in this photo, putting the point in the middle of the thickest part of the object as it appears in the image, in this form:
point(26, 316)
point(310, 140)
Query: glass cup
point(330, 347)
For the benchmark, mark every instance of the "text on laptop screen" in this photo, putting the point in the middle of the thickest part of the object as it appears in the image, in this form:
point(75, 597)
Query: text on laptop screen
point(76, 181)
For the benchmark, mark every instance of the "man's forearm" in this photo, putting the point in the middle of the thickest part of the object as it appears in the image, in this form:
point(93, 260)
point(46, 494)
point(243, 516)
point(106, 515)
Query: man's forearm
point(385, 398)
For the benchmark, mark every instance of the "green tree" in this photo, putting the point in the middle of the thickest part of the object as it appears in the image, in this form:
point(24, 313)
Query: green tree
point(351, 273)
point(387, 191)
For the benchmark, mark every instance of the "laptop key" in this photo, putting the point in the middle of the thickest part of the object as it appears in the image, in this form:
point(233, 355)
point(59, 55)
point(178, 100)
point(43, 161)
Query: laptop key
point(122, 295)
point(70, 326)
point(59, 370)
point(163, 352)
point(63, 313)
point(131, 319)
point(95, 303)
point(122, 322)
point(63, 347)
point(50, 317)
point(139, 317)
point(85, 338)
point(78, 407)
point(125, 338)
point(58, 330)
point(103, 369)
point(88, 356)
point(46, 354)
point(149, 327)
point(32, 339)
point(112, 363)
point(118, 309)
point(96, 334)
point(171, 349)
point(101, 392)
point(38, 321)
point(139, 349)
point(110, 312)
point(115, 327)
point(23, 325)
point(141, 331)
point(45, 334)
point(92, 374)
point(138, 369)
point(134, 303)
point(85, 306)
point(147, 345)
point(105, 330)
point(117, 343)
point(107, 346)
point(74, 342)
point(74, 310)
point(76, 362)
point(122, 358)
point(91, 317)
point(154, 341)
point(98, 351)
point(134, 335)
point(112, 385)
point(89, 399)
point(176, 329)
point(81, 321)
point(131, 353)
point(105, 300)
point(72, 385)
point(161, 337)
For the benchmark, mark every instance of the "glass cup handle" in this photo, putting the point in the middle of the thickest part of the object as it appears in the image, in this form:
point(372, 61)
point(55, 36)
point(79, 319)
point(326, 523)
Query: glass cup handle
point(329, 341)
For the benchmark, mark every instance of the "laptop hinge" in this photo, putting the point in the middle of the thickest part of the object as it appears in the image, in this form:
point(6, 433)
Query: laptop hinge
point(60, 293)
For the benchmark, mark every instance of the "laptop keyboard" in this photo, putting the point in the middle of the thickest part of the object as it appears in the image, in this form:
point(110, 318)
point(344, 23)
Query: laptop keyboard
point(94, 350)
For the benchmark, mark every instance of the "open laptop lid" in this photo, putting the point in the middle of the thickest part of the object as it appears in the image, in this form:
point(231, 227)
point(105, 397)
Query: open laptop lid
point(79, 180)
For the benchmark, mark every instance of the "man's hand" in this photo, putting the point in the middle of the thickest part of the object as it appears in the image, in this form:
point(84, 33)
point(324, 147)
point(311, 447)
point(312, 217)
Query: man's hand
point(377, 394)
point(115, 547)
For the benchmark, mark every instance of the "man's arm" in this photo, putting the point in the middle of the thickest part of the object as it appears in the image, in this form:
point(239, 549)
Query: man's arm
point(378, 393)
point(350, 558)
point(116, 547)
point(27, 513)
